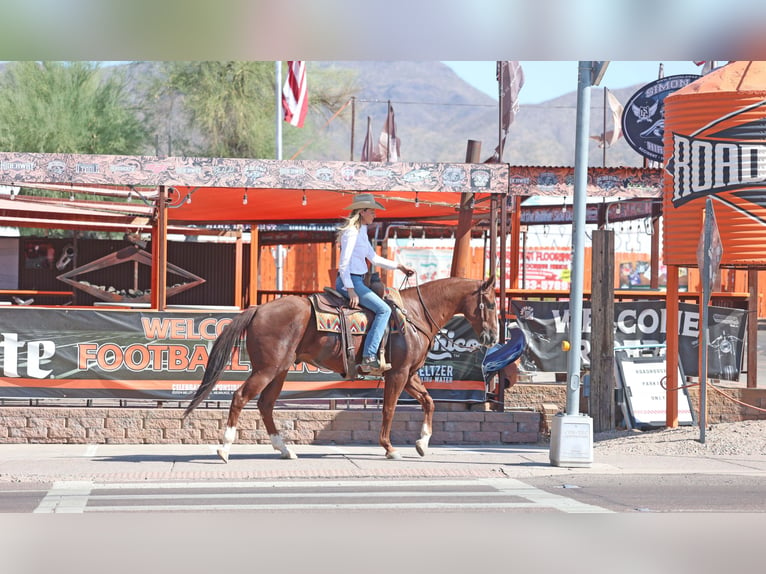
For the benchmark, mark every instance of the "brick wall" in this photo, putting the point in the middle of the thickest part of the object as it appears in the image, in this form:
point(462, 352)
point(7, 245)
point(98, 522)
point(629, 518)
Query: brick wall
point(93, 425)
point(724, 404)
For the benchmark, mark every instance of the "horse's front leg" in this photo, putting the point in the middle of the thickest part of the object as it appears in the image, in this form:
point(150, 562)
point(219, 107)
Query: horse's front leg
point(418, 391)
point(394, 383)
point(266, 402)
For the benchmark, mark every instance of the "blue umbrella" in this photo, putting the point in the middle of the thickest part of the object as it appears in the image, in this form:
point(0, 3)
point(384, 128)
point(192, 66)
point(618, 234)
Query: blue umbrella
point(502, 355)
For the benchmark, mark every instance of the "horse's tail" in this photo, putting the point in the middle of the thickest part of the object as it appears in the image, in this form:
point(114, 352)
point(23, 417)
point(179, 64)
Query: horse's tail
point(220, 355)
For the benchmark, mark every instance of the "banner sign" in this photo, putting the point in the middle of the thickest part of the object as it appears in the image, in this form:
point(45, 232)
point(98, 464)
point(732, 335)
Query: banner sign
point(638, 324)
point(134, 354)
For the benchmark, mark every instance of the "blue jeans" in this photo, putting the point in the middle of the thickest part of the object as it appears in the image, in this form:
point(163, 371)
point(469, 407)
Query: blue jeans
point(369, 300)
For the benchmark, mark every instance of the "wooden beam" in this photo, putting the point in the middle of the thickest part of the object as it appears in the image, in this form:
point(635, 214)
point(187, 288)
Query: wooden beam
point(160, 251)
point(255, 249)
point(671, 349)
point(602, 385)
point(752, 328)
point(461, 254)
point(238, 265)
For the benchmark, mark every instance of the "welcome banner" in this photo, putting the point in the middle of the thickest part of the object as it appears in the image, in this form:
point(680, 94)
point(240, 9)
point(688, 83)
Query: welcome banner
point(640, 327)
point(132, 354)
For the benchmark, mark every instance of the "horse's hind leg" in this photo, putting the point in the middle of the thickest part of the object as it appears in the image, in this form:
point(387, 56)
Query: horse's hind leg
point(253, 385)
point(266, 402)
point(418, 391)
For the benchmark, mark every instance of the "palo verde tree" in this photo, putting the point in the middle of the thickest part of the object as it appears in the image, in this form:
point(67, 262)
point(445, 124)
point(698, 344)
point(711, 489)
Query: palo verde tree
point(230, 107)
point(66, 107)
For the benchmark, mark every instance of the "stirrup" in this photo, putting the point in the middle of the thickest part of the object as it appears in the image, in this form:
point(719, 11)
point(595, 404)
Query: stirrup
point(384, 365)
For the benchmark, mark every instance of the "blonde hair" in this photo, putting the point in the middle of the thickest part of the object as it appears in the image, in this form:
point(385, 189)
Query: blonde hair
point(353, 220)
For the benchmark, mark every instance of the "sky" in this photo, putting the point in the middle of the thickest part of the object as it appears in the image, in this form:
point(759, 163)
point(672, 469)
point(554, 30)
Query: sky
point(545, 80)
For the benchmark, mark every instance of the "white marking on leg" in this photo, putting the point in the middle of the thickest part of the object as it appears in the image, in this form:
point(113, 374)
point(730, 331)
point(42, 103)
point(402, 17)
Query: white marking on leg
point(421, 445)
point(229, 436)
point(279, 444)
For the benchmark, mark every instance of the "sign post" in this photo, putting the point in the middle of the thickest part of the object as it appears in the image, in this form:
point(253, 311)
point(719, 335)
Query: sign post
point(572, 433)
point(709, 252)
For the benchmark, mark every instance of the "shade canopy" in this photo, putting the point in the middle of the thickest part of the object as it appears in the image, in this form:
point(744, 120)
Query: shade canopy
point(102, 192)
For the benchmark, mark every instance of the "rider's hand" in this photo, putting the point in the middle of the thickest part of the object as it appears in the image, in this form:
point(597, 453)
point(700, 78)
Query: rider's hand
point(408, 271)
point(353, 298)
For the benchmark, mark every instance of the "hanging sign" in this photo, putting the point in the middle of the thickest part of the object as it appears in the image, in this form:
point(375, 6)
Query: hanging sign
point(643, 120)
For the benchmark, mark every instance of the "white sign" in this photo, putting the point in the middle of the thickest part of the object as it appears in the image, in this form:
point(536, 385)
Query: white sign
point(643, 381)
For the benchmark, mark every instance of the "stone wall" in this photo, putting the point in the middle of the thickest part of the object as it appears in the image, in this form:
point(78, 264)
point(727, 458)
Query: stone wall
point(725, 404)
point(96, 425)
point(526, 419)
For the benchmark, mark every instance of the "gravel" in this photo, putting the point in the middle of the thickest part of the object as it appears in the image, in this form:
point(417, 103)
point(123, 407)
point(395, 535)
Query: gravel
point(746, 438)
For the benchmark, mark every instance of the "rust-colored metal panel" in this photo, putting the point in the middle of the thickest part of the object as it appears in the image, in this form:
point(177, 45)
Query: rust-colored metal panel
point(715, 146)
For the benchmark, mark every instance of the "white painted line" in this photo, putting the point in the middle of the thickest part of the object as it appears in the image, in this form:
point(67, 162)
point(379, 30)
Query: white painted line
point(294, 495)
point(531, 497)
point(287, 483)
point(66, 497)
point(515, 487)
point(385, 506)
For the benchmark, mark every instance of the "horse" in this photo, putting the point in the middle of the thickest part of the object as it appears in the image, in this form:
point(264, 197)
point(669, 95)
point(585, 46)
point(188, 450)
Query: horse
point(283, 332)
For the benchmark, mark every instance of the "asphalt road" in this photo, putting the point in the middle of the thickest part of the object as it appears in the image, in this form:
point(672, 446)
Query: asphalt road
point(561, 494)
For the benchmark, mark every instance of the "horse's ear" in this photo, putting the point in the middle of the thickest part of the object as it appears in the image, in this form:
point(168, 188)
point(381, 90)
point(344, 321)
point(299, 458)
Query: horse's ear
point(488, 283)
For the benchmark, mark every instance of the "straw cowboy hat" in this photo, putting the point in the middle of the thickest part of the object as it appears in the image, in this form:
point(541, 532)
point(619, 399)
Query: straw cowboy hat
point(365, 201)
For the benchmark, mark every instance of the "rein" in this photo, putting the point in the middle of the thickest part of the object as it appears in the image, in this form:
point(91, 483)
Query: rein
point(423, 304)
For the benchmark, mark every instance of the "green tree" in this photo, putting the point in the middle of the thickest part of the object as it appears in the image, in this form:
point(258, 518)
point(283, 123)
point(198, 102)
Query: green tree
point(57, 107)
point(230, 107)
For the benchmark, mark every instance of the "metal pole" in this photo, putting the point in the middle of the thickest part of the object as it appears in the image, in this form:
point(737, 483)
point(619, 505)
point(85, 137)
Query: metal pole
point(707, 286)
point(353, 126)
point(278, 91)
point(578, 236)
point(603, 134)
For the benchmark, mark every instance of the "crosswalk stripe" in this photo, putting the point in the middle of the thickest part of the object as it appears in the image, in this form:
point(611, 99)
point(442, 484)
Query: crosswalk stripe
point(86, 496)
point(66, 497)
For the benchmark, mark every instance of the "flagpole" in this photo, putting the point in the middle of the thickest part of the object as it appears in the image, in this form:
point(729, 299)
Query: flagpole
point(353, 125)
point(500, 84)
point(388, 131)
point(603, 139)
point(278, 90)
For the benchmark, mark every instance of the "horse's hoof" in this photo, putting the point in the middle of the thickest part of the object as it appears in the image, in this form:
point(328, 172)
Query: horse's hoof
point(419, 448)
point(289, 455)
point(223, 454)
point(393, 455)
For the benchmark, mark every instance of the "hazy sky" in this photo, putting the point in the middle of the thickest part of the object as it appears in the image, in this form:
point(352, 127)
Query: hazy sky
point(544, 80)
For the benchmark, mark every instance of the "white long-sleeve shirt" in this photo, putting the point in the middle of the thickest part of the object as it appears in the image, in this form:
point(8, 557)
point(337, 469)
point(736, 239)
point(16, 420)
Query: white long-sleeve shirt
point(355, 251)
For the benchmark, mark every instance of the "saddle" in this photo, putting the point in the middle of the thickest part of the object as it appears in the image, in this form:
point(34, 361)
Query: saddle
point(332, 314)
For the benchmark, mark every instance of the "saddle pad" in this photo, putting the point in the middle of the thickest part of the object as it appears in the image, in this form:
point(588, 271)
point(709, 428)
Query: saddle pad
point(330, 322)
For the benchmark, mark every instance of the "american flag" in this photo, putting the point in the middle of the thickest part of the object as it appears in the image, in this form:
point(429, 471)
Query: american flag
point(295, 99)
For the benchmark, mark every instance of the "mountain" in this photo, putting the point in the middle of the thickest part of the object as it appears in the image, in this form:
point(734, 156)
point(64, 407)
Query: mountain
point(436, 114)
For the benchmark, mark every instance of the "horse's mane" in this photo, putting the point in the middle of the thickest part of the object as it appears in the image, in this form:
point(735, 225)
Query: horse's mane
point(444, 286)
point(439, 291)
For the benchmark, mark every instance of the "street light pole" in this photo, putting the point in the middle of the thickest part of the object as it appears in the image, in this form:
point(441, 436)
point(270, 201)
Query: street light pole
point(572, 433)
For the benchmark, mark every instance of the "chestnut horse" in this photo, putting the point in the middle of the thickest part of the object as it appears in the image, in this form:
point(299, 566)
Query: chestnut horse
point(283, 332)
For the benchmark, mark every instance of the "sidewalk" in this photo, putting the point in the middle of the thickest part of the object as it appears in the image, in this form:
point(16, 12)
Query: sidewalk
point(128, 463)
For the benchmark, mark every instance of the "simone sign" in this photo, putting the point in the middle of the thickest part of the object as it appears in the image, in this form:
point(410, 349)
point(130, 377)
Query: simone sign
point(643, 120)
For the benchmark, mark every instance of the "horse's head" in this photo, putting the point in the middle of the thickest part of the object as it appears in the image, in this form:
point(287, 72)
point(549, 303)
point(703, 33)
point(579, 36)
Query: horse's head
point(480, 309)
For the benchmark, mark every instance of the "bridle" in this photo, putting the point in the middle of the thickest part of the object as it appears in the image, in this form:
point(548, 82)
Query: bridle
point(486, 309)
